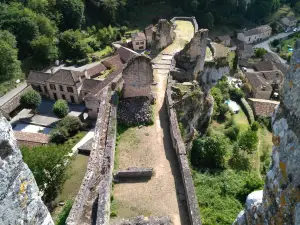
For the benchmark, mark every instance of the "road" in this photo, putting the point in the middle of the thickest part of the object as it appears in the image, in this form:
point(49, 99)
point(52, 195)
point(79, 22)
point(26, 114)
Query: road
point(265, 44)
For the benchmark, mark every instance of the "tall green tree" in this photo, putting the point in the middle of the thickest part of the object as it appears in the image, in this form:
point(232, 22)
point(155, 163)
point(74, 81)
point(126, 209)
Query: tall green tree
point(10, 66)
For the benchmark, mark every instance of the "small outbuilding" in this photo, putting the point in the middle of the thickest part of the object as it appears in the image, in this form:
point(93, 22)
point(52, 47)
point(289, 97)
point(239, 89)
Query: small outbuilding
point(139, 41)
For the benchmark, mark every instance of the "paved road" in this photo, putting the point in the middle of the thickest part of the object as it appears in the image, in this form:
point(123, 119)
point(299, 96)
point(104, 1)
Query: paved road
point(265, 44)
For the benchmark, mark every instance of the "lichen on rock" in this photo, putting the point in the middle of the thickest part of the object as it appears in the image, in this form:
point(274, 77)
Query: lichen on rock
point(20, 202)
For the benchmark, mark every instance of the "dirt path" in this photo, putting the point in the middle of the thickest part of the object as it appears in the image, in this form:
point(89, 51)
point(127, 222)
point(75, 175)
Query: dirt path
point(163, 194)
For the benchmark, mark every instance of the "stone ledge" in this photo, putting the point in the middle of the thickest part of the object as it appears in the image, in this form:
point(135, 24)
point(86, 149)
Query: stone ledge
point(134, 172)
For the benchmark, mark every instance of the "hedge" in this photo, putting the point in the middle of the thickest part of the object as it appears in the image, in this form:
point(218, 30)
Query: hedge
point(248, 110)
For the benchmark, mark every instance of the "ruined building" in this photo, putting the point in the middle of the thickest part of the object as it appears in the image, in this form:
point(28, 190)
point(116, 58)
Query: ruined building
point(20, 202)
point(163, 35)
point(279, 202)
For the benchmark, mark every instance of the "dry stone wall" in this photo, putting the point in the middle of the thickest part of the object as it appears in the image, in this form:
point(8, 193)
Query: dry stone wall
point(279, 202)
point(20, 200)
point(138, 77)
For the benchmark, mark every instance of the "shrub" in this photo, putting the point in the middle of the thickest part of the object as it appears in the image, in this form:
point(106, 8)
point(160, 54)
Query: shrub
point(59, 136)
point(209, 153)
point(255, 126)
point(248, 141)
point(275, 42)
point(239, 160)
point(60, 108)
point(63, 215)
point(31, 99)
point(265, 121)
point(72, 125)
point(232, 133)
point(253, 183)
point(82, 62)
point(223, 109)
point(236, 93)
point(260, 52)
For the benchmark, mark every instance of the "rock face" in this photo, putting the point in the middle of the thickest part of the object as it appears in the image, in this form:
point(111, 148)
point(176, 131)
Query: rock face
point(138, 77)
point(189, 62)
point(20, 202)
point(163, 34)
point(280, 202)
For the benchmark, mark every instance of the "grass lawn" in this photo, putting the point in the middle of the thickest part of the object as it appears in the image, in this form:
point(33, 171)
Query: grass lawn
point(230, 59)
point(7, 86)
point(241, 121)
point(288, 43)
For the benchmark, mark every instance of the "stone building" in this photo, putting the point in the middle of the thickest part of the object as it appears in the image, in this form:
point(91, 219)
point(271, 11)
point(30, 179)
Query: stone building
point(255, 35)
point(224, 40)
point(245, 51)
point(263, 107)
point(139, 41)
point(138, 77)
point(163, 34)
point(260, 87)
point(288, 22)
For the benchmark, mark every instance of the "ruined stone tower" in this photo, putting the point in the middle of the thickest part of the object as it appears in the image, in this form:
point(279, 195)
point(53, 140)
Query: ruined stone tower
point(20, 202)
point(279, 202)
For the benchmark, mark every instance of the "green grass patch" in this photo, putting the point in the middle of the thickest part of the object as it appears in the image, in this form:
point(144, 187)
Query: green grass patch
point(241, 121)
point(231, 56)
point(75, 139)
point(104, 52)
point(120, 130)
point(63, 215)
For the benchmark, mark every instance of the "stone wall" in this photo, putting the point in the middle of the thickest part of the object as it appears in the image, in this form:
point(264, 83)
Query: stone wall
point(20, 202)
point(138, 77)
point(181, 152)
point(163, 35)
point(262, 107)
point(191, 19)
point(279, 202)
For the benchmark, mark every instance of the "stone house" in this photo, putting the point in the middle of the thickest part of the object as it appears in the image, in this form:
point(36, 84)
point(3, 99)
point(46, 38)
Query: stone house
point(125, 54)
point(262, 107)
point(149, 34)
point(139, 41)
point(288, 22)
point(224, 40)
point(260, 87)
point(264, 66)
point(255, 35)
point(245, 51)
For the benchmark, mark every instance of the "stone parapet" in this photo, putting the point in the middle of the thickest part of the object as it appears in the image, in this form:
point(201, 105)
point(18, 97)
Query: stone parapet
point(178, 145)
point(191, 19)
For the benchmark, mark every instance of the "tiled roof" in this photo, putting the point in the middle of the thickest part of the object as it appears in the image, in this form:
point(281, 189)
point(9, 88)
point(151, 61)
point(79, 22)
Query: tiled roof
point(257, 30)
point(67, 77)
point(291, 18)
point(284, 68)
point(149, 30)
point(138, 36)
point(224, 38)
point(96, 70)
point(264, 66)
point(258, 82)
point(89, 84)
point(274, 76)
point(126, 53)
point(32, 137)
point(38, 77)
point(263, 107)
point(114, 61)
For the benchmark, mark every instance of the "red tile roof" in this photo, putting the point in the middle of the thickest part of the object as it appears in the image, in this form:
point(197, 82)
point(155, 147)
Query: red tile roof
point(262, 107)
point(96, 70)
point(32, 137)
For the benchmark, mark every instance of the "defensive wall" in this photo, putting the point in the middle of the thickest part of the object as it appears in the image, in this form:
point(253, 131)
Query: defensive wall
point(191, 19)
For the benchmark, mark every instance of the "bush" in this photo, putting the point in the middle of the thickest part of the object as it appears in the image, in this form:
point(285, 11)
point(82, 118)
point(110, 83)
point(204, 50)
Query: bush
point(265, 121)
point(60, 108)
point(223, 109)
point(253, 183)
point(239, 160)
point(260, 52)
point(82, 62)
point(236, 93)
point(255, 126)
point(275, 42)
point(248, 141)
point(72, 125)
point(209, 153)
point(59, 136)
point(31, 99)
point(232, 133)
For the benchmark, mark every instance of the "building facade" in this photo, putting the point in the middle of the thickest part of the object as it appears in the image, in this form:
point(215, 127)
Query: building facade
point(255, 35)
point(139, 41)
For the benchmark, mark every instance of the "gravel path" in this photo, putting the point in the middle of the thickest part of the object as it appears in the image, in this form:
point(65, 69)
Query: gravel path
point(163, 194)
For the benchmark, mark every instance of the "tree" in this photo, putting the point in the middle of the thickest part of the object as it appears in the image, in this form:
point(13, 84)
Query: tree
point(31, 99)
point(260, 52)
point(209, 153)
point(60, 108)
point(242, 6)
point(248, 141)
point(232, 132)
point(72, 45)
point(72, 13)
point(49, 168)
point(44, 50)
point(236, 93)
point(10, 66)
point(72, 124)
point(209, 20)
point(235, 61)
point(239, 160)
point(59, 135)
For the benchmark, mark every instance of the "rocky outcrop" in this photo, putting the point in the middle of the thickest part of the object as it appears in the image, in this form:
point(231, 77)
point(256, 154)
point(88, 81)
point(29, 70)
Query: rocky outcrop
point(163, 35)
point(279, 203)
point(20, 201)
point(189, 62)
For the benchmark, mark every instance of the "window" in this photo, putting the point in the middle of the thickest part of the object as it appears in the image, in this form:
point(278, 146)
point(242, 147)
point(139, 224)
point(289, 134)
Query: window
point(63, 97)
point(70, 89)
point(249, 38)
point(137, 43)
point(141, 43)
point(52, 87)
point(141, 47)
point(55, 96)
point(61, 88)
point(45, 88)
point(72, 99)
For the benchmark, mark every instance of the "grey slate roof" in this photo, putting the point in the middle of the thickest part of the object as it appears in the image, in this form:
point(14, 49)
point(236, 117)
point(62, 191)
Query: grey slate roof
point(89, 84)
point(257, 81)
point(138, 35)
point(38, 77)
point(96, 70)
point(264, 66)
point(257, 30)
point(126, 53)
point(291, 18)
point(67, 77)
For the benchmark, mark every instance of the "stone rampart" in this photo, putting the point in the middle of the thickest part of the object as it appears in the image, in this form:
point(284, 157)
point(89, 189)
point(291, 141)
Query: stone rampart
point(191, 19)
point(178, 144)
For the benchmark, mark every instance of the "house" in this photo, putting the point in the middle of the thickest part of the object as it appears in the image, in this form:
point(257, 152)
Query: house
point(31, 139)
point(95, 69)
point(263, 107)
point(288, 22)
point(255, 35)
point(260, 87)
point(138, 41)
point(264, 66)
point(149, 34)
point(224, 40)
point(125, 54)
point(245, 51)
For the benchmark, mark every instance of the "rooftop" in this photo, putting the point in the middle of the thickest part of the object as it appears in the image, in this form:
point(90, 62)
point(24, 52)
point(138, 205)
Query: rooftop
point(263, 107)
point(138, 36)
point(96, 70)
point(125, 54)
point(38, 77)
point(89, 84)
point(32, 137)
point(264, 66)
point(67, 77)
point(257, 30)
point(258, 82)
